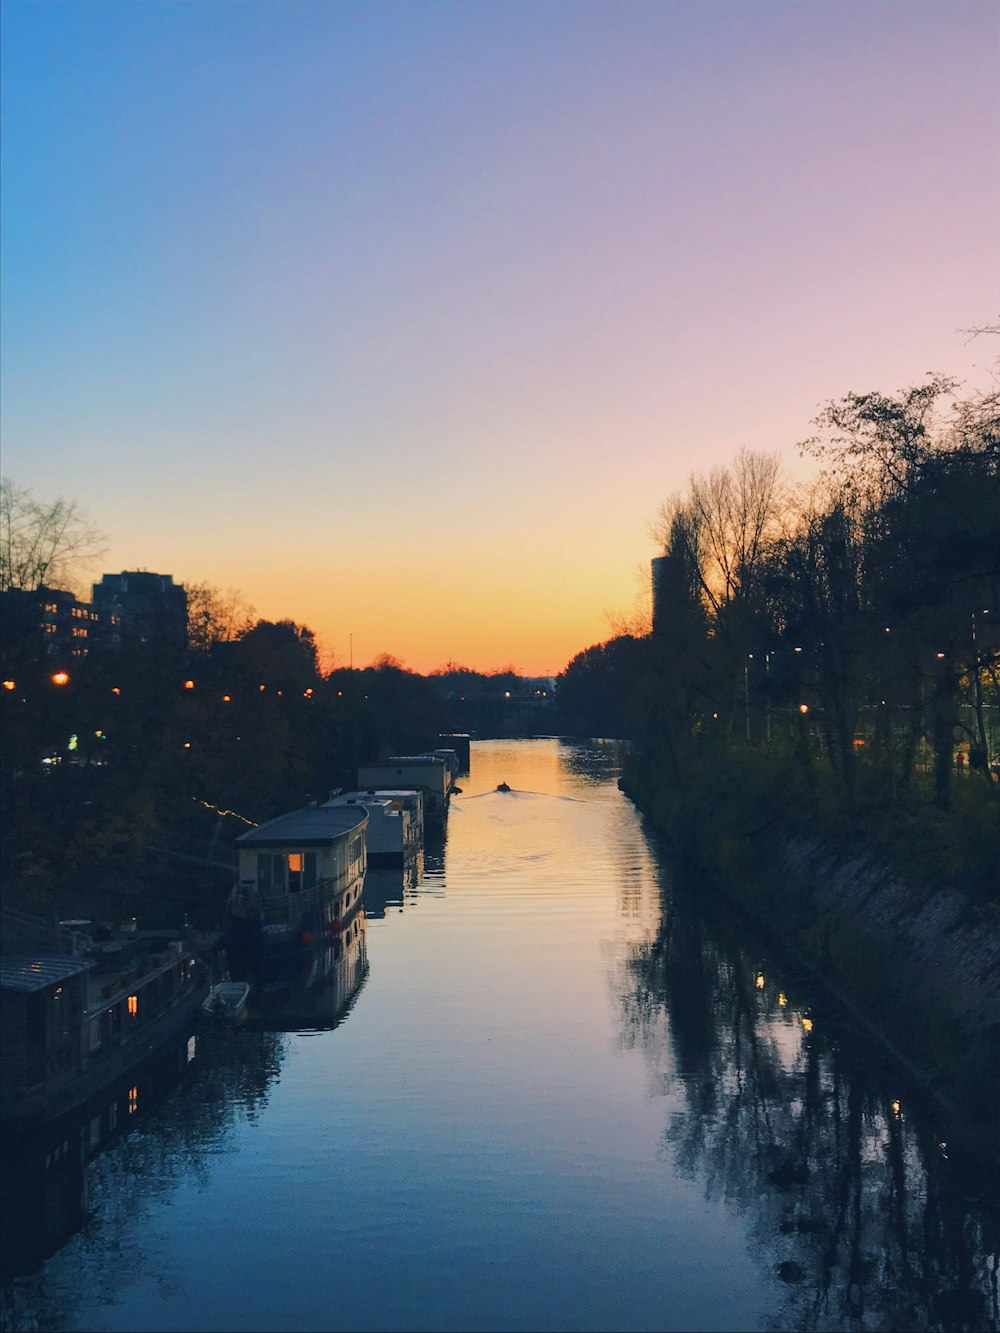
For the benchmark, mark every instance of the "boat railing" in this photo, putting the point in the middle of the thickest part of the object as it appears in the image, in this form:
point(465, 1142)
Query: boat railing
point(275, 908)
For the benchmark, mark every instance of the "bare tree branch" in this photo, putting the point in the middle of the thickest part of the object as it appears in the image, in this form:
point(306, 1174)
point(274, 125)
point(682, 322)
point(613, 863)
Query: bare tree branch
point(43, 542)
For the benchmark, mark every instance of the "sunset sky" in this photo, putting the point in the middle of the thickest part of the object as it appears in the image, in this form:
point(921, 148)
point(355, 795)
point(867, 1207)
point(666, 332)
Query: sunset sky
point(403, 318)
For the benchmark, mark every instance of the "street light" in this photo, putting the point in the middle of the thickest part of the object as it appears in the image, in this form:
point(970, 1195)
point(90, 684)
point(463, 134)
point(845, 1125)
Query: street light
point(60, 678)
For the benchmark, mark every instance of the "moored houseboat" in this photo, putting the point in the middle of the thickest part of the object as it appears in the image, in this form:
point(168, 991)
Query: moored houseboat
point(395, 825)
point(429, 773)
point(452, 763)
point(73, 1022)
point(300, 880)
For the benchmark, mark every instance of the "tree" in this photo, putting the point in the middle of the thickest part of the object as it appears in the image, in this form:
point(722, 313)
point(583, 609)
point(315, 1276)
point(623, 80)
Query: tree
point(43, 542)
point(278, 654)
point(215, 616)
point(725, 523)
point(921, 469)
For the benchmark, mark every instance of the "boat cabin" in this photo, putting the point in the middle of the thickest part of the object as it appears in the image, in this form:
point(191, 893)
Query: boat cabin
point(427, 772)
point(301, 872)
point(395, 827)
point(43, 998)
point(70, 1022)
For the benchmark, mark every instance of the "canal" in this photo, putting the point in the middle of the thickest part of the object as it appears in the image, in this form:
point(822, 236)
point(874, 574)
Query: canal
point(544, 1088)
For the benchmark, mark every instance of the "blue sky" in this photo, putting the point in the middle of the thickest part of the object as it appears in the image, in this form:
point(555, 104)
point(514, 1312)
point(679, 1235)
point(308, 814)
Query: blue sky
point(403, 318)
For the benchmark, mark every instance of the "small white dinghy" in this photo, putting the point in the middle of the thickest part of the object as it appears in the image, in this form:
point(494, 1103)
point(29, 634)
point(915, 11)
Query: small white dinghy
point(227, 1000)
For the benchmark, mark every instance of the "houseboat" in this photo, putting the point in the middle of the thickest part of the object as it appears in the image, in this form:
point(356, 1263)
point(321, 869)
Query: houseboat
point(461, 743)
point(428, 773)
point(300, 880)
point(395, 826)
point(73, 1022)
point(452, 762)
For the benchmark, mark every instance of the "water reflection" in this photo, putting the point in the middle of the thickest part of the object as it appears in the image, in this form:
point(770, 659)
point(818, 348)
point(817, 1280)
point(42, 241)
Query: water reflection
point(45, 1167)
point(857, 1206)
point(388, 887)
point(550, 1065)
point(93, 1180)
point(315, 993)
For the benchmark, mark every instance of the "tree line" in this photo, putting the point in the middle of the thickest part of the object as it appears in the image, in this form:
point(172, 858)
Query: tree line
point(843, 634)
point(141, 761)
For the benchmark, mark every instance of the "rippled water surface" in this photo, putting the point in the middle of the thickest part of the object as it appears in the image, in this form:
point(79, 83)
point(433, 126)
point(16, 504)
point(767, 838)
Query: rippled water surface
point(542, 1090)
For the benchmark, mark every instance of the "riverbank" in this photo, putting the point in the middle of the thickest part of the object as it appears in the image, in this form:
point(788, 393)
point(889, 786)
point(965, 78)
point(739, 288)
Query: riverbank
point(915, 964)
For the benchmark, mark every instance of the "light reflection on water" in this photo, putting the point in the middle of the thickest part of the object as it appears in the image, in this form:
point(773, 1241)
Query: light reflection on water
point(549, 1102)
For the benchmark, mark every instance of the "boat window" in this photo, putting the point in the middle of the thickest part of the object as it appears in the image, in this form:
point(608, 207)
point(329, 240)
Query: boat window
point(310, 870)
point(294, 871)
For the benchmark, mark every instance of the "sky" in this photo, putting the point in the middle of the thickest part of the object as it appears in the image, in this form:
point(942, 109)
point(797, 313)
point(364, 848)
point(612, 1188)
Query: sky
point(403, 318)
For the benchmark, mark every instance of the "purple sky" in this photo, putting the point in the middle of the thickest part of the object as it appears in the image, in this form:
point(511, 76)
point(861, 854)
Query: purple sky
point(404, 318)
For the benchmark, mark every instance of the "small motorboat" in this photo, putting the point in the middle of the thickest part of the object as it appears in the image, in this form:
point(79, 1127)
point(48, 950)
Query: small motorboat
point(502, 786)
point(227, 1000)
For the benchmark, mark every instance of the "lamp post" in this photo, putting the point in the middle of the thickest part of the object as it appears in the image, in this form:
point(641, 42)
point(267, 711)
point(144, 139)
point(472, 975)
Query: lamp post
point(977, 695)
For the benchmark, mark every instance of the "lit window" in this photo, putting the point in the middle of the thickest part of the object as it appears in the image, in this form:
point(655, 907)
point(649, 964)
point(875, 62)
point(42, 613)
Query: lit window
point(133, 1005)
point(133, 1100)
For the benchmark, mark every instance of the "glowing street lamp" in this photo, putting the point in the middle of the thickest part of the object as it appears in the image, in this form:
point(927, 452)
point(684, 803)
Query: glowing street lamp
point(60, 678)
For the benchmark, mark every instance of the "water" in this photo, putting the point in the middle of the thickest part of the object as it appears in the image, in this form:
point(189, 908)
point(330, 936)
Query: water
point(543, 1089)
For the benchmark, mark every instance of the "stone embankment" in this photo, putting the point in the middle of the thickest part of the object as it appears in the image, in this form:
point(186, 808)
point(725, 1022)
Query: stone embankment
point(921, 970)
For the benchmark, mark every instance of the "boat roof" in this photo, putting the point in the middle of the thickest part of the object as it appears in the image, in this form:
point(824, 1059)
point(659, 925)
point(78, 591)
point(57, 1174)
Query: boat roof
point(415, 795)
point(366, 797)
point(33, 972)
point(313, 826)
point(398, 759)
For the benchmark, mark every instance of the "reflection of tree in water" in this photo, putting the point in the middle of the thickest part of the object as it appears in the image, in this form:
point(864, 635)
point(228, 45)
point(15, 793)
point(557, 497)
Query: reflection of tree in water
point(137, 1175)
point(867, 1222)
